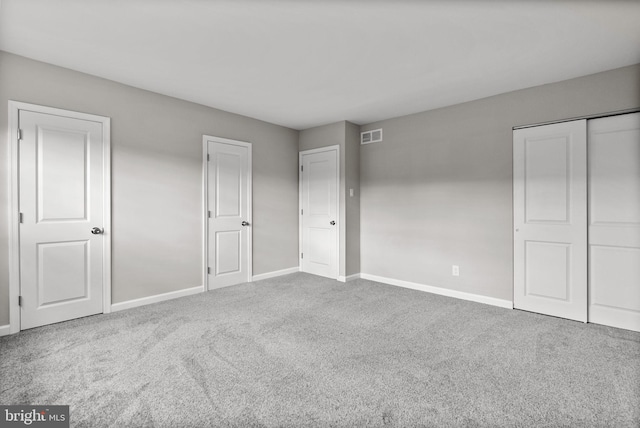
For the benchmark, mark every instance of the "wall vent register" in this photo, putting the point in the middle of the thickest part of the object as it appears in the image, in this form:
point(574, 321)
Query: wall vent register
point(373, 136)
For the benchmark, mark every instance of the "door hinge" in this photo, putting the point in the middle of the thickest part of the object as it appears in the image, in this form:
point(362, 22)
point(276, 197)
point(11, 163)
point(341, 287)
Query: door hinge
point(209, 214)
point(208, 271)
point(302, 255)
point(19, 300)
point(301, 212)
point(301, 168)
point(208, 157)
point(20, 218)
point(19, 134)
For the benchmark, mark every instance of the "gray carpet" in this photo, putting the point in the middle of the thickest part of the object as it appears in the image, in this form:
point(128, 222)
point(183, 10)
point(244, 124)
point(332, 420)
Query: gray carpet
point(300, 350)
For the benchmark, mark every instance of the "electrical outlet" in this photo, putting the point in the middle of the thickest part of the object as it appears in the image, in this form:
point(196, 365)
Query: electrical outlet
point(455, 270)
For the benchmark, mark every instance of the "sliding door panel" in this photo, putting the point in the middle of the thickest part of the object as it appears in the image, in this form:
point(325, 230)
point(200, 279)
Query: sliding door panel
point(614, 221)
point(550, 242)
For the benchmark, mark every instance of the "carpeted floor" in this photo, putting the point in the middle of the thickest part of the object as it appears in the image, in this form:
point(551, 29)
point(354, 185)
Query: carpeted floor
point(300, 350)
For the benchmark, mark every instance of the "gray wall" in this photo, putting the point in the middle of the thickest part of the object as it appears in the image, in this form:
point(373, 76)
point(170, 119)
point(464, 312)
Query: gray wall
point(157, 177)
point(438, 190)
point(352, 181)
point(322, 136)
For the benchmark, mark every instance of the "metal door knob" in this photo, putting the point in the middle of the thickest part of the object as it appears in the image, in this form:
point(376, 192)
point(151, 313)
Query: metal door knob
point(245, 223)
point(332, 223)
point(97, 231)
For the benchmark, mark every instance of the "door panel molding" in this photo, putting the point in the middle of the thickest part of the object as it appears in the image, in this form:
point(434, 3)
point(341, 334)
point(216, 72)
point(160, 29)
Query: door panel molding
point(206, 241)
point(14, 108)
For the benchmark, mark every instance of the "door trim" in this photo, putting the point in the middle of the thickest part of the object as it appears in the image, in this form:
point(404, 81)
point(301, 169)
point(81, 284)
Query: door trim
point(205, 204)
point(14, 203)
point(335, 148)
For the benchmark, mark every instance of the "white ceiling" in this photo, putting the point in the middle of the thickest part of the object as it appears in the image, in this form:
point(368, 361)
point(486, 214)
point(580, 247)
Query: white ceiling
point(304, 63)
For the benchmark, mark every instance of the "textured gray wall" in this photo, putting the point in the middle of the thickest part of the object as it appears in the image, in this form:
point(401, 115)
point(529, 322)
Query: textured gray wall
point(438, 190)
point(157, 177)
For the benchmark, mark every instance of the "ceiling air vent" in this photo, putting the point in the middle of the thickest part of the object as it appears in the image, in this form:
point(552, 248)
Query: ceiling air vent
point(373, 136)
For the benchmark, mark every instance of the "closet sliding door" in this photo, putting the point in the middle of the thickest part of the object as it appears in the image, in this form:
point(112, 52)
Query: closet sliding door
point(614, 221)
point(577, 247)
point(550, 219)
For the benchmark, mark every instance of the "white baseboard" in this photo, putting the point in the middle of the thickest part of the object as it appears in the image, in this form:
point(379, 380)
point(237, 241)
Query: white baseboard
point(5, 330)
point(508, 304)
point(155, 299)
point(348, 278)
point(275, 273)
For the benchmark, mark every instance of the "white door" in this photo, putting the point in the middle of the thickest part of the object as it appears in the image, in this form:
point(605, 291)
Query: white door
point(614, 221)
point(550, 219)
point(229, 212)
point(61, 200)
point(319, 212)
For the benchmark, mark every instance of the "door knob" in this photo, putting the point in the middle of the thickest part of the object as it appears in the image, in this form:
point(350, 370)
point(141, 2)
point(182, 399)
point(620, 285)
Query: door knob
point(332, 223)
point(245, 223)
point(97, 231)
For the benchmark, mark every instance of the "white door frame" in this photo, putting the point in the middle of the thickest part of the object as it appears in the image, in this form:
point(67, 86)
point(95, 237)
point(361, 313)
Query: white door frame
point(335, 148)
point(14, 203)
point(205, 205)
